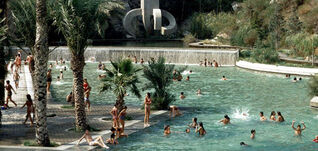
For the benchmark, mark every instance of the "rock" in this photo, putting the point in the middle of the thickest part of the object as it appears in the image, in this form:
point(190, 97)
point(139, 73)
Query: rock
point(314, 102)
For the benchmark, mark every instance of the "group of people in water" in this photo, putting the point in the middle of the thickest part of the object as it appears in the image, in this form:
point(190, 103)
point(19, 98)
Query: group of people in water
point(207, 63)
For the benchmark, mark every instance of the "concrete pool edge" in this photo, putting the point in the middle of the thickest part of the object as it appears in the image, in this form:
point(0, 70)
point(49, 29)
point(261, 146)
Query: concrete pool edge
point(276, 69)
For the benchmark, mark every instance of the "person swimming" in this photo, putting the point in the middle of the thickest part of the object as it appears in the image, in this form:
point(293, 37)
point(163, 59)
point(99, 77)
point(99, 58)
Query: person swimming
point(187, 130)
point(188, 78)
point(226, 120)
point(174, 111)
point(200, 129)
point(167, 130)
point(223, 78)
point(199, 92)
point(273, 116)
point(316, 139)
point(194, 123)
point(182, 96)
point(294, 80)
point(253, 132)
point(243, 144)
point(298, 130)
point(262, 117)
point(280, 118)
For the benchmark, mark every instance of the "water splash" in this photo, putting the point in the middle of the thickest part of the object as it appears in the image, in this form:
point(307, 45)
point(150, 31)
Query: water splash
point(187, 72)
point(241, 114)
point(61, 67)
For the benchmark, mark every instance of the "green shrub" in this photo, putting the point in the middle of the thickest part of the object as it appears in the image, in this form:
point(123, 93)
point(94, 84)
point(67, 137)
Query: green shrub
point(245, 53)
point(189, 38)
point(199, 26)
point(313, 86)
point(265, 55)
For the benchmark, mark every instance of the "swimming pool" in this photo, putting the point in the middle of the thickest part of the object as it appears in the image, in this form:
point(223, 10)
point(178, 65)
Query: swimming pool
point(244, 92)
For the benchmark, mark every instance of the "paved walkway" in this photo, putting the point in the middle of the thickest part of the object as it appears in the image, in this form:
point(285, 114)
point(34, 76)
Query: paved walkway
point(284, 57)
point(277, 69)
point(13, 133)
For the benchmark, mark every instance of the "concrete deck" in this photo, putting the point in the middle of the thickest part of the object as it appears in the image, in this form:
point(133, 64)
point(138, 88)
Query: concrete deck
point(277, 69)
point(14, 133)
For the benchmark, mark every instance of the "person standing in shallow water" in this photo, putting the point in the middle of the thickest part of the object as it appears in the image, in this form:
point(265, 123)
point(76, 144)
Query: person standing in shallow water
point(273, 116)
point(298, 130)
point(262, 117)
point(48, 80)
point(147, 103)
point(114, 113)
point(280, 118)
point(87, 91)
point(122, 116)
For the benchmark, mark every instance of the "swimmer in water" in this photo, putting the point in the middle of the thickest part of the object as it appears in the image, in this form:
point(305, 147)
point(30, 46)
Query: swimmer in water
point(182, 96)
point(223, 78)
point(226, 120)
point(174, 111)
point(190, 71)
point(188, 78)
point(243, 144)
point(194, 123)
point(253, 132)
point(167, 130)
point(316, 139)
point(200, 129)
point(188, 131)
point(199, 92)
point(262, 117)
point(273, 116)
point(58, 78)
point(280, 118)
point(298, 130)
point(294, 80)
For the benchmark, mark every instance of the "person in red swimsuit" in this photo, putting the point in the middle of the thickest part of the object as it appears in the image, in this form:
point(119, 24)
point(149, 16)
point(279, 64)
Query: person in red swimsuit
point(316, 139)
point(87, 90)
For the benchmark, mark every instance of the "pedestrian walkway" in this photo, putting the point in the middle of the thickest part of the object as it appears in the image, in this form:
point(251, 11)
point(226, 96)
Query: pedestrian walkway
point(277, 69)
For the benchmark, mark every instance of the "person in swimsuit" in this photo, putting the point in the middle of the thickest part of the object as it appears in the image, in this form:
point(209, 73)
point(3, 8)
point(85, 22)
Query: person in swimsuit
point(223, 78)
point(273, 116)
point(174, 111)
point(253, 132)
point(243, 144)
point(100, 66)
point(48, 80)
point(166, 130)
point(182, 96)
point(69, 98)
point(298, 130)
point(226, 120)
point(316, 139)
point(16, 78)
point(30, 109)
point(215, 64)
point(147, 103)
point(200, 129)
point(187, 130)
point(120, 132)
point(135, 60)
point(294, 80)
point(87, 91)
point(9, 97)
point(122, 116)
point(142, 61)
point(61, 74)
point(18, 62)
point(262, 117)
point(112, 139)
point(114, 114)
point(199, 92)
point(188, 78)
point(97, 142)
point(194, 123)
point(280, 118)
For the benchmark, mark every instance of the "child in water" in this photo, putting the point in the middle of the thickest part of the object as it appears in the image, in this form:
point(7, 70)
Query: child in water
point(253, 132)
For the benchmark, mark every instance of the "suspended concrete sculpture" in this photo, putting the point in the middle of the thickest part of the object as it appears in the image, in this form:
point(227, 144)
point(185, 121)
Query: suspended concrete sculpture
point(148, 9)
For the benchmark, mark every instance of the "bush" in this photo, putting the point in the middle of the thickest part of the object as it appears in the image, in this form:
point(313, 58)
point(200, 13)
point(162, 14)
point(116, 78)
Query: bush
point(189, 38)
point(265, 55)
point(313, 86)
point(199, 26)
point(245, 53)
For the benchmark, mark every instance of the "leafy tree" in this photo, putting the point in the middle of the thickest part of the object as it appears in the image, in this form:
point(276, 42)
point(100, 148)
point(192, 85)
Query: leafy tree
point(276, 26)
point(160, 77)
point(121, 77)
point(293, 24)
point(3, 65)
point(75, 19)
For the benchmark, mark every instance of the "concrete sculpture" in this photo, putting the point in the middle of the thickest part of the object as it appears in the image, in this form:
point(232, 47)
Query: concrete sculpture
point(148, 9)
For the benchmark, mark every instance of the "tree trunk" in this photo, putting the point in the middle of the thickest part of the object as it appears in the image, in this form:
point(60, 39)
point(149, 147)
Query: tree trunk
point(41, 51)
point(120, 102)
point(77, 65)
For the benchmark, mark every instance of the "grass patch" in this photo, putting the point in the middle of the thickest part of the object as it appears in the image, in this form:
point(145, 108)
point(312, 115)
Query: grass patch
point(281, 63)
point(67, 107)
point(33, 143)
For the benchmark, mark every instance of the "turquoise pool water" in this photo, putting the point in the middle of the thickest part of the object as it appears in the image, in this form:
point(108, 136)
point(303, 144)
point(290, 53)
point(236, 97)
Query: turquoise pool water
point(244, 92)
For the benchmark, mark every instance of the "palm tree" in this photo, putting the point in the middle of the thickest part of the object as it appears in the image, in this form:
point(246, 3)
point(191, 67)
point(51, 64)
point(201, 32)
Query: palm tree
point(121, 77)
point(160, 77)
point(75, 20)
point(41, 53)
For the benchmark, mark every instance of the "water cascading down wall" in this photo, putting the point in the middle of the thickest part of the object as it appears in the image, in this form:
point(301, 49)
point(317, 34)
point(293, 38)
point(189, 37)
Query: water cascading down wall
point(173, 55)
